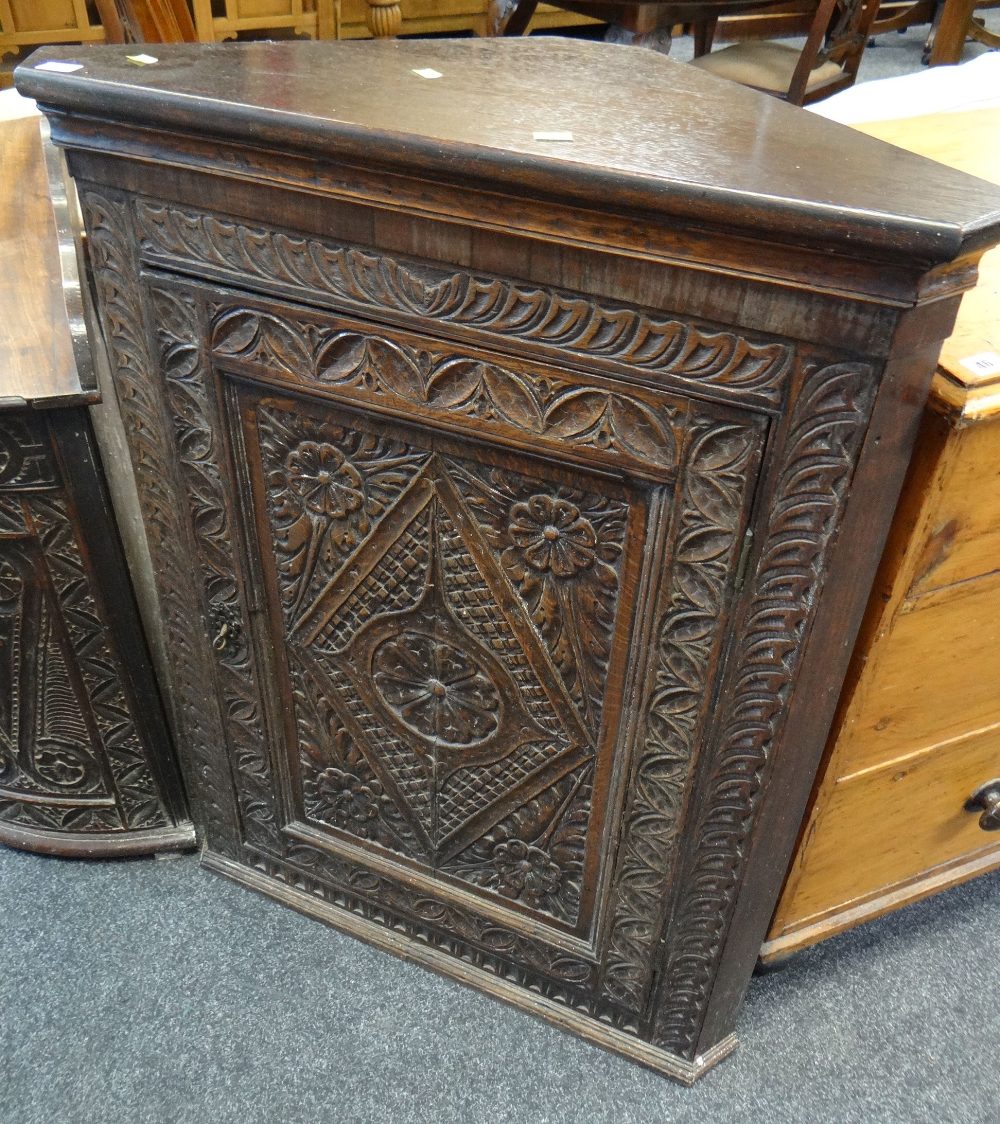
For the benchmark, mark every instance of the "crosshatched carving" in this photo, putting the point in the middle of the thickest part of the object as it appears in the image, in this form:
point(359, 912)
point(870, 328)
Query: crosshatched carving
point(447, 699)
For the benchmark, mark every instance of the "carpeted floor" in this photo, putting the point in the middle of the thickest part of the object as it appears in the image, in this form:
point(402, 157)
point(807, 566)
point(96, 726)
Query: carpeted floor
point(151, 992)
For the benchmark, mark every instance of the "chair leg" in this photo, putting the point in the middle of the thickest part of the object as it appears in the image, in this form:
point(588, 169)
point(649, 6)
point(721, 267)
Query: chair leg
point(107, 13)
point(977, 30)
point(952, 26)
point(520, 17)
point(704, 35)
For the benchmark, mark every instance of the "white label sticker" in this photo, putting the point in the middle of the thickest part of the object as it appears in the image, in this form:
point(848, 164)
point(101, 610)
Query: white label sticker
point(985, 363)
point(428, 72)
point(60, 67)
point(142, 60)
point(553, 135)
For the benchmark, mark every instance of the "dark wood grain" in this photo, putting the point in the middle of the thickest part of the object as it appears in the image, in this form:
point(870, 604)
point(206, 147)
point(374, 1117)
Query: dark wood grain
point(511, 510)
point(650, 142)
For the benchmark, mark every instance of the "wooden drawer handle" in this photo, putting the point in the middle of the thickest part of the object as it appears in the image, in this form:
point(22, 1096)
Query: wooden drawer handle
point(986, 799)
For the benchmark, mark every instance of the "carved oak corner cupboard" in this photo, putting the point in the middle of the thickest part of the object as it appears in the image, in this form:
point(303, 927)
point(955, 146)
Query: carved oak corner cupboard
point(86, 767)
point(513, 502)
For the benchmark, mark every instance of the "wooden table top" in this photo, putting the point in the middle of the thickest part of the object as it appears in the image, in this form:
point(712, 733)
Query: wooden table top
point(653, 135)
point(970, 142)
point(37, 362)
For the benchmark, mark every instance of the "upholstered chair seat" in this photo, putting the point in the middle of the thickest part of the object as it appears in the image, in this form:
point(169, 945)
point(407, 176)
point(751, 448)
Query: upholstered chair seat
point(765, 66)
point(827, 62)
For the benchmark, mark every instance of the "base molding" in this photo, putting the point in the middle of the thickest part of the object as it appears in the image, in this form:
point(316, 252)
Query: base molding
point(91, 845)
point(661, 1061)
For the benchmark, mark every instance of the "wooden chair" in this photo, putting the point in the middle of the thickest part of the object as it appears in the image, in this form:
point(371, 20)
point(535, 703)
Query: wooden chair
point(827, 63)
point(46, 21)
point(955, 22)
point(146, 21)
point(319, 19)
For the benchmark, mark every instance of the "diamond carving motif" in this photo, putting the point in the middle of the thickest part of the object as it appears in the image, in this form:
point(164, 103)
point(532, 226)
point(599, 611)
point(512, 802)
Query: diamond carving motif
point(463, 740)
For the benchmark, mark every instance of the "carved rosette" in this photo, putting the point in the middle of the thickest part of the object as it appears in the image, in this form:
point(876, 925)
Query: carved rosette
point(327, 489)
point(562, 550)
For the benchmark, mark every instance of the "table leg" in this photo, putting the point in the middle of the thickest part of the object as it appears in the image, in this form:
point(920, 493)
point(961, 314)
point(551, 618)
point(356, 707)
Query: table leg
point(510, 17)
point(954, 17)
point(704, 36)
point(384, 18)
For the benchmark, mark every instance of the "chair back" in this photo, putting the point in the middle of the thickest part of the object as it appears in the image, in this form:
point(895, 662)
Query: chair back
point(147, 21)
point(838, 34)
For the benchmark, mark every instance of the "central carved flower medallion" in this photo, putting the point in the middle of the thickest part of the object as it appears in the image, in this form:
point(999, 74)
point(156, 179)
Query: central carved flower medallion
point(436, 689)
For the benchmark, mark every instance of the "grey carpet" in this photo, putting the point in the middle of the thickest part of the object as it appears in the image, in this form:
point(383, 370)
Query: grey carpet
point(149, 991)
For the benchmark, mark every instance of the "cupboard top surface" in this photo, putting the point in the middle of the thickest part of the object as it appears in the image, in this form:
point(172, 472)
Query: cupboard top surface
point(653, 135)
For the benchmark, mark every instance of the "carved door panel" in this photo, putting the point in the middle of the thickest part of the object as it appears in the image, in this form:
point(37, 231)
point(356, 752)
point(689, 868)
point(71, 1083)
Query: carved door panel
point(48, 766)
point(467, 612)
point(448, 624)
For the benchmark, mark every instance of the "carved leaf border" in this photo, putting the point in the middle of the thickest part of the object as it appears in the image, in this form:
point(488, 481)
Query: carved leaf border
point(179, 322)
point(632, 428)
point(689, 631)
point(827, 427)
point(197, 722)
point(571, 323)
